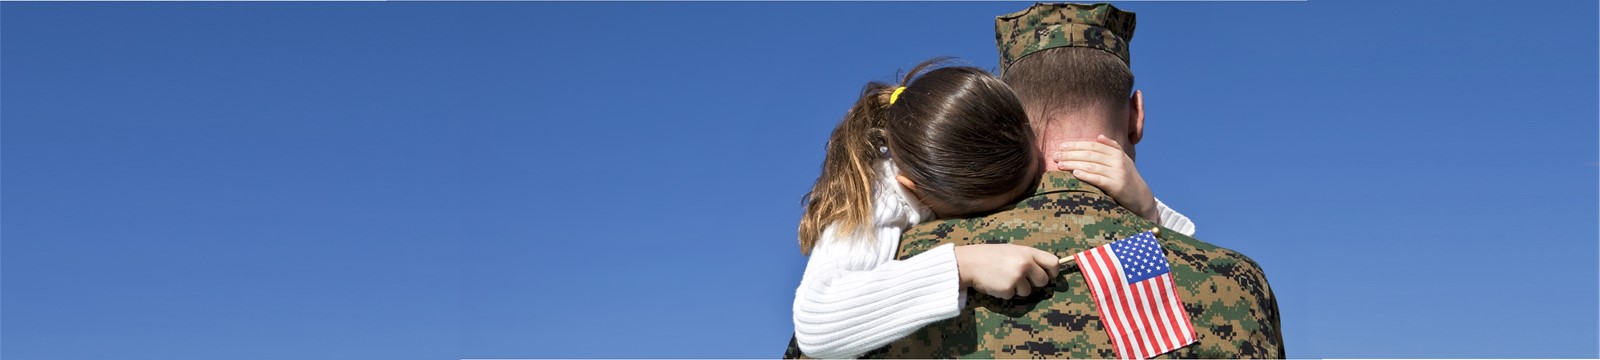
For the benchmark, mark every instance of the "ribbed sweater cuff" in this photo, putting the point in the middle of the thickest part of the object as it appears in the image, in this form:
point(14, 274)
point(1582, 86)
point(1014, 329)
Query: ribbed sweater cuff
point(897, 298)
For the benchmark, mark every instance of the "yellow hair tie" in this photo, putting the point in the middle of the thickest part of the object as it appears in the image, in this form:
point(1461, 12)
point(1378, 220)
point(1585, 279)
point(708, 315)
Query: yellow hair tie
point(896, 94)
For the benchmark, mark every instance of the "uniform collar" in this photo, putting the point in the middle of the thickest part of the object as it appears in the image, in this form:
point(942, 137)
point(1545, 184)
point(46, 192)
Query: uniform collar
point(1062, 181)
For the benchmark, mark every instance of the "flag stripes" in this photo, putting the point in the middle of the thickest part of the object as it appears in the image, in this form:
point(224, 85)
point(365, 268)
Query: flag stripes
point(1143, 318)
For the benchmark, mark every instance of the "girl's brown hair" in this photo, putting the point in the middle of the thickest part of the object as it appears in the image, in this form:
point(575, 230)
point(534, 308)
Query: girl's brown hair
point(957, 132)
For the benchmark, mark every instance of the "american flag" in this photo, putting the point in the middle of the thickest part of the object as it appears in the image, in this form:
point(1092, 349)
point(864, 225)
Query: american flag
point(1132, 287)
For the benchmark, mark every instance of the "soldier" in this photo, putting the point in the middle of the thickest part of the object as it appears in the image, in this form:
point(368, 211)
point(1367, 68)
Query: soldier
point(1068, 64)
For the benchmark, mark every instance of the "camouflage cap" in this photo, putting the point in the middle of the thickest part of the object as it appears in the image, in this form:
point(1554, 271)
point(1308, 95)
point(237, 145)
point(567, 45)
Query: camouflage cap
point(1046, 26)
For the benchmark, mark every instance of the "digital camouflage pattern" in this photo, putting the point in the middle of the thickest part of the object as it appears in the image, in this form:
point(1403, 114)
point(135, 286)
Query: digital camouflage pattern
point(1045, 26)
point(1234, 312)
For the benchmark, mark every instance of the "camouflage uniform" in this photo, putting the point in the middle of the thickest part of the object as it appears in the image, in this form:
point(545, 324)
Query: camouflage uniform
point(1225, 293)
point(1234, 312)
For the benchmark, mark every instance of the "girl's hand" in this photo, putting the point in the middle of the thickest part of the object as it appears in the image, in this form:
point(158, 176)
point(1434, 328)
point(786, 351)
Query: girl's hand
point(1004, 270)
point(1103, 164)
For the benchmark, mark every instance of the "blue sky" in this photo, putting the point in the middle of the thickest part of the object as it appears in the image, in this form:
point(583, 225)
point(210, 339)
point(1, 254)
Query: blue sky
point(519, 179)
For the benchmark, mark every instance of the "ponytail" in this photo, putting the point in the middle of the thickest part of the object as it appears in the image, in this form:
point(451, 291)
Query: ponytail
point(842, 196)
point(932, 135)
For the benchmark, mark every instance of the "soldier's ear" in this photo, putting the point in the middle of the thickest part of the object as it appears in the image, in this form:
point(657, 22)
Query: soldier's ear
point(1136, 117)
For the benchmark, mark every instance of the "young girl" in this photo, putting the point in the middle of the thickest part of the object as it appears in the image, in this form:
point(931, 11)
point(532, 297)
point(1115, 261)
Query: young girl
point(946, 142)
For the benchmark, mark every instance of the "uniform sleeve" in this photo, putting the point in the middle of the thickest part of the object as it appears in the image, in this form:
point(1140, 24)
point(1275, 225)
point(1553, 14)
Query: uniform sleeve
point(845, 307)
point(1171, 219)
point(1269, 333)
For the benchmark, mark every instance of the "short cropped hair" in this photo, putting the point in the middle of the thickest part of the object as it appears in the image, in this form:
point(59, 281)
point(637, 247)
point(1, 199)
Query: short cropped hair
point(1066, 78)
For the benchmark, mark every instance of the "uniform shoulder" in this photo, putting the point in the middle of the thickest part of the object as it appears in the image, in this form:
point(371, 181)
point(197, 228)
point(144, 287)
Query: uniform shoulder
point(1227, 296)
point(1208, 256)
point(927, 235)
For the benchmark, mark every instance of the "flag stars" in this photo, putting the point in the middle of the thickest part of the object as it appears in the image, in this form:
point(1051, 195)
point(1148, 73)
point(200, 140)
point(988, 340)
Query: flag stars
point(1140, 256)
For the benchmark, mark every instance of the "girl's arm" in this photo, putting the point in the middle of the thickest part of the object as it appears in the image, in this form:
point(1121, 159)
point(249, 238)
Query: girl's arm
point(853, 298)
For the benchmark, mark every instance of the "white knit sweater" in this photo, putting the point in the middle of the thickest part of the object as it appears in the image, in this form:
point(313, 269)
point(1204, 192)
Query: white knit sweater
point(854, 297)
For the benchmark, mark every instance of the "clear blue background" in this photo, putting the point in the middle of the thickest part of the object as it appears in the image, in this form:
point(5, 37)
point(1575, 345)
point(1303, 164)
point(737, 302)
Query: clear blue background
point(448, 180)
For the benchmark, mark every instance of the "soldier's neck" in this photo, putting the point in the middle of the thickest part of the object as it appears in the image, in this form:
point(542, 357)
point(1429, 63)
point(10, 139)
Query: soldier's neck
point(1051, 136)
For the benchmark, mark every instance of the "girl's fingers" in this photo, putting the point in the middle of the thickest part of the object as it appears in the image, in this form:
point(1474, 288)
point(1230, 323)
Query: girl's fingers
point(1024, 288)
point(1048, 261)
point(1081, 155)
point(1095, 179)
point(999, 293)
point(1037, 276)
point(1086, 166)
point(1105, 140)
point(1094, 146)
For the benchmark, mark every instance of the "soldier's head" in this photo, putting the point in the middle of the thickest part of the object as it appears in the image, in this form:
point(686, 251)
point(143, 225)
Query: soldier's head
point(957, 138)
point(1069, 66)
